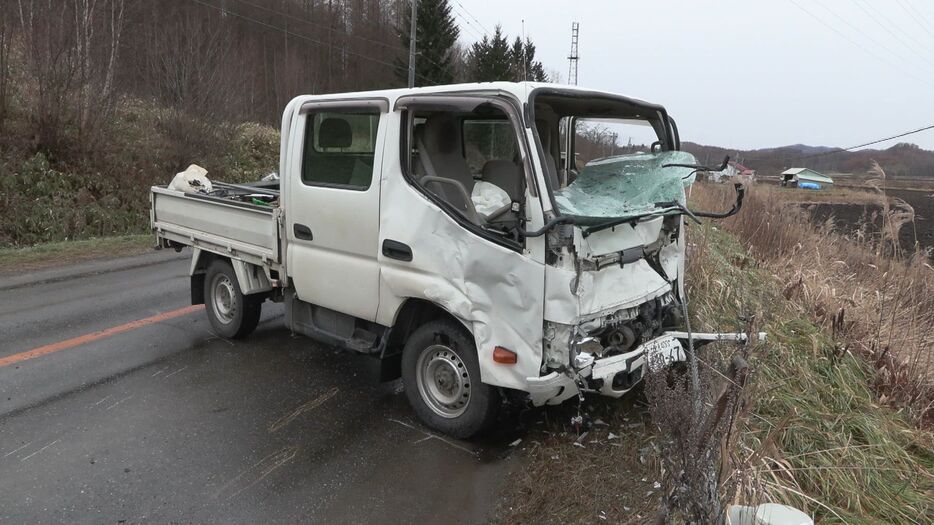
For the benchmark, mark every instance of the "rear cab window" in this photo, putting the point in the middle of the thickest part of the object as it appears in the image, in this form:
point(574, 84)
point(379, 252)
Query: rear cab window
point(486, 140)
point(339, 149)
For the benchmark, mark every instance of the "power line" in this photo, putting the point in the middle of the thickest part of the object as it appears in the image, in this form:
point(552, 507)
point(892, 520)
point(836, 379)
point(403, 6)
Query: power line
point(898, 136)
point(857, 44)
point(299, 36)
point(485, 30)
point(871, 143)
point(470, 26)
point(854, 28)
point(895, 35)
point(921, 15)
point(916, 16)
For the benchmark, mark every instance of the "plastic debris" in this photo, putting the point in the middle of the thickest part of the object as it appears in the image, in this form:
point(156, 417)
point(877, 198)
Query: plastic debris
point(516, 442)
point(192, 180)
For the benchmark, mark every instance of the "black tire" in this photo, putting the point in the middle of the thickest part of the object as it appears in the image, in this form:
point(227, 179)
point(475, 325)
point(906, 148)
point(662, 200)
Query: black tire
point(232, 314)
point(447, 347)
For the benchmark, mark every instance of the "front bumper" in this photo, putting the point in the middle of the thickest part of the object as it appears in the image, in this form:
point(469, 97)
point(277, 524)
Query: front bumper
point(615, 375)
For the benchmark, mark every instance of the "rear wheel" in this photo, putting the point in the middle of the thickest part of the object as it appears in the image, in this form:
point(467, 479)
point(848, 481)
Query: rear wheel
point(441, 374)
point(232, 314)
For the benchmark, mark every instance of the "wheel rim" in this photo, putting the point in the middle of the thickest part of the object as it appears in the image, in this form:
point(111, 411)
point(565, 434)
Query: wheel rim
point(443, 381)
point(224, 299)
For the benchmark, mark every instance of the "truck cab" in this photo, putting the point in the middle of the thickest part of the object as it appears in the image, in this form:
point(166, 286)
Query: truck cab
point(476, 239)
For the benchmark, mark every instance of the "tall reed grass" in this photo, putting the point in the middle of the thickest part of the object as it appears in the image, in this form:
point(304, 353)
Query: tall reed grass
point(876, 301)
point(810, 431)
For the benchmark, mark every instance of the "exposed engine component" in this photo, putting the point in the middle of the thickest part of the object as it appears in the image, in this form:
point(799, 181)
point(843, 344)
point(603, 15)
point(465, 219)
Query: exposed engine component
point(623, 333)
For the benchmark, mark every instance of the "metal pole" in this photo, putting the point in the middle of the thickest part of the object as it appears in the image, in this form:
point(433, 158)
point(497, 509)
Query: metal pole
point(412, 45)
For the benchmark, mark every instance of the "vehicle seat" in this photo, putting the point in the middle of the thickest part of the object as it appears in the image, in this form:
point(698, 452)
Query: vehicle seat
point(440, 155)
point(506, 175)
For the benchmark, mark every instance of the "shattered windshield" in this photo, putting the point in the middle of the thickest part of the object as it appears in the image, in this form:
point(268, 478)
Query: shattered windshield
point(626, 185)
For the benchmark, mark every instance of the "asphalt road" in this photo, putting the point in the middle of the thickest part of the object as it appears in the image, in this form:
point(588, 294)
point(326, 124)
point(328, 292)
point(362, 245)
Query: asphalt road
point(117, 406)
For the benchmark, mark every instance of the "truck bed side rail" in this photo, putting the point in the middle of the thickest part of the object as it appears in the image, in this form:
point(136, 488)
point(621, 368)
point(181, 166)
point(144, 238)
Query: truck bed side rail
point(243, 231)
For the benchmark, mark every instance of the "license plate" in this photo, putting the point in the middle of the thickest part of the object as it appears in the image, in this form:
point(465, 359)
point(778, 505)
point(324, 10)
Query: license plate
point(663, 351)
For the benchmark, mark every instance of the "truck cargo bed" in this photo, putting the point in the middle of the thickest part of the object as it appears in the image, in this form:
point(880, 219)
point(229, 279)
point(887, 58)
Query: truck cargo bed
point(241, 230)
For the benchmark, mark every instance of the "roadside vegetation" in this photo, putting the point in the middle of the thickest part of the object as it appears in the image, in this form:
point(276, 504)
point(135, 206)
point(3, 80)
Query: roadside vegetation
point(31, 258)
point(875, 298)
point(101, 99)
point(828, 420)
point(68, 195)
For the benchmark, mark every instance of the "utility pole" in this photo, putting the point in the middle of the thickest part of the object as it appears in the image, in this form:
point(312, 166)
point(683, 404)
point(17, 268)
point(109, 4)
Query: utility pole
point(573, 57)
point(412, 45)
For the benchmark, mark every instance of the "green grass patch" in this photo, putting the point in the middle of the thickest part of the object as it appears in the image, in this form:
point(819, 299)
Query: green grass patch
point(824, 442)
point(14, 260)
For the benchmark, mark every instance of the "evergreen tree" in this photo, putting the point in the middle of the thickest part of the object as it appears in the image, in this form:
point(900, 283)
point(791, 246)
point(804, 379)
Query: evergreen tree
point(525, 67)
point(435, 37)
point(491, 59)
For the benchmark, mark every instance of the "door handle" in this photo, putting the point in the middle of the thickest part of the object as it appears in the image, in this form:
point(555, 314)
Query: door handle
point(397, 250)
point(302, 232)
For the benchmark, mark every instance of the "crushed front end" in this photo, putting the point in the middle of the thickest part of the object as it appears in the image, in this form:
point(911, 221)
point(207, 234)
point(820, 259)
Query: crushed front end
point(614, 283)
point(611, 298)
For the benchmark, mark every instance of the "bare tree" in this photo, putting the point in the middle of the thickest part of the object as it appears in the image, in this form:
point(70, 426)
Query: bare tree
point(70, 66)
point(6, 38)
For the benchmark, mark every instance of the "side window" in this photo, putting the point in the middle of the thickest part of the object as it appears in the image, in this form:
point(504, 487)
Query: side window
point(469, 158)
point(486, 140)
point(339, 149)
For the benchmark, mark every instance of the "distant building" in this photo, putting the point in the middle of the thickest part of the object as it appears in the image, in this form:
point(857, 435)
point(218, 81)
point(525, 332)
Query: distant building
point(734, 171)
point(795, 176)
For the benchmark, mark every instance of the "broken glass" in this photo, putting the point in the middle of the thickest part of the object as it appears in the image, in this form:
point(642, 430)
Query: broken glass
point(627, 185)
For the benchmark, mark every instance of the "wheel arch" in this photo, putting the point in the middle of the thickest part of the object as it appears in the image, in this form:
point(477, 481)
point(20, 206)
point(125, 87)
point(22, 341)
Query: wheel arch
point(251, 278)
point(200, 262)
point(412, 314)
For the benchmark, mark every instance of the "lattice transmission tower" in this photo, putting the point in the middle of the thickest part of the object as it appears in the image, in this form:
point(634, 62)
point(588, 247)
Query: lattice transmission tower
point(573, 58)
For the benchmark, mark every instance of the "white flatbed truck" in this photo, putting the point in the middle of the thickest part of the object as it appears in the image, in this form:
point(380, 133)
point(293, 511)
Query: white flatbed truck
point(475, 238)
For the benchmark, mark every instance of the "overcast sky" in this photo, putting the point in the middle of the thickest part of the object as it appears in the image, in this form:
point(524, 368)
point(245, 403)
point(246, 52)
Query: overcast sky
point(744, 73)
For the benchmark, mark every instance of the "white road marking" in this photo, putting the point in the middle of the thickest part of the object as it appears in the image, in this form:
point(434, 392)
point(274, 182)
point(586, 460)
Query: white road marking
point(175, 372)
point(10, 453)
point(118, 402)
point(40, 450)
point(101, 401)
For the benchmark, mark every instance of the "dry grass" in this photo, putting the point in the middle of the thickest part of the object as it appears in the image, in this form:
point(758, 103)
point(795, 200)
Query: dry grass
point(814, 435)
point(874, 301)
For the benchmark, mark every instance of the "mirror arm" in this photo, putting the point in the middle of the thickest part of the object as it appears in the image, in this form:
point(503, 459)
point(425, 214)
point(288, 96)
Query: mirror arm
point(740, 193)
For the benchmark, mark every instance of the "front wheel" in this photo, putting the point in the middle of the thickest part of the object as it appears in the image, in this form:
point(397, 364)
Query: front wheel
point(232, 314)
point(441, 374)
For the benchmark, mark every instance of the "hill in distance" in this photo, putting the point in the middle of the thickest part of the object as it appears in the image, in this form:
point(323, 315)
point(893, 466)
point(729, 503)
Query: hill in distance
point(902, 160)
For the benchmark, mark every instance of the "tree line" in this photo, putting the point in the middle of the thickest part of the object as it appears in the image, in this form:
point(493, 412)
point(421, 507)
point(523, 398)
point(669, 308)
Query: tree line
point(66, 64)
